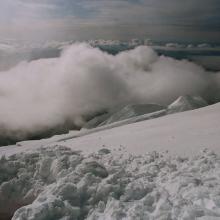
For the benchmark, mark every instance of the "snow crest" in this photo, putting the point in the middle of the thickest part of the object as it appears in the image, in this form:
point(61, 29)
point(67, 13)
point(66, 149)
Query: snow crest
point(60, 184)
point(186, 103)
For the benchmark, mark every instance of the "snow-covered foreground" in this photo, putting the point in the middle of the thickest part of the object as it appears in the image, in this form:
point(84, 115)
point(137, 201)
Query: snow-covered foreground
point(155, 169)
point(59, 183)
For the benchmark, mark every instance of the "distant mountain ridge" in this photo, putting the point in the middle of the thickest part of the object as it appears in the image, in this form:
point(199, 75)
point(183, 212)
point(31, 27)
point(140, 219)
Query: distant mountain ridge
point(183, 103)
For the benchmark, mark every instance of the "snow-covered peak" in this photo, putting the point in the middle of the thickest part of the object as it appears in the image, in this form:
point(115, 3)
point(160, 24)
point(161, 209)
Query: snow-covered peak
point(185, 103)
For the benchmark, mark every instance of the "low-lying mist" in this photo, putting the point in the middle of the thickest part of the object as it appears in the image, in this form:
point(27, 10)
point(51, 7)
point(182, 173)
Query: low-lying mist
point(45, 94)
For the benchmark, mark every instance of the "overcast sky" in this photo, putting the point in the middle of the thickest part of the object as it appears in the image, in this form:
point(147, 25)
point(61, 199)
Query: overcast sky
point(189, 20)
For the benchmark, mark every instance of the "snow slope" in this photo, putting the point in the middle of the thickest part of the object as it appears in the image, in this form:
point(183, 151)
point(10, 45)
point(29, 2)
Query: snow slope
point(155, 169)
point(176, 133)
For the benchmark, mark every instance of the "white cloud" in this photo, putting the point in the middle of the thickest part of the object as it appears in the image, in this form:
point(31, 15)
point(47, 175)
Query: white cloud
point(48, 92)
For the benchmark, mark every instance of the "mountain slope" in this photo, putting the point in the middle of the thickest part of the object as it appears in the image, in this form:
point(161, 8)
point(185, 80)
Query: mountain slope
point(130, 111)
point(176, 133)
point(128, 175)
point(139, 112)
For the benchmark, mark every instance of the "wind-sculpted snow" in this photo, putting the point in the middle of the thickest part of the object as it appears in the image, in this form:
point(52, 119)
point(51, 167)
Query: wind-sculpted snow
point(59, 183)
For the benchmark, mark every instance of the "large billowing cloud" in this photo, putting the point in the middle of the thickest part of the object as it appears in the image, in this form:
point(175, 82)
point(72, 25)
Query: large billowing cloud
point(42, 94)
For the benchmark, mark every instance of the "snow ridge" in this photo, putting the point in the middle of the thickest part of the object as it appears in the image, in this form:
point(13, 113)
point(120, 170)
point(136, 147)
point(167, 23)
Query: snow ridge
point(186, 103)
point(140, 112)
point(131, 111)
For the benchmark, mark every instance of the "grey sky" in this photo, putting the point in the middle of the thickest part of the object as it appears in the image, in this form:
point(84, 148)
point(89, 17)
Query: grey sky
point(190, 20)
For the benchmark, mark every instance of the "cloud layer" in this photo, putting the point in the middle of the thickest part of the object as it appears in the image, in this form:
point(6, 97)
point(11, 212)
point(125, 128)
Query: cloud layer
point(45, 93)
point(196, 20)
